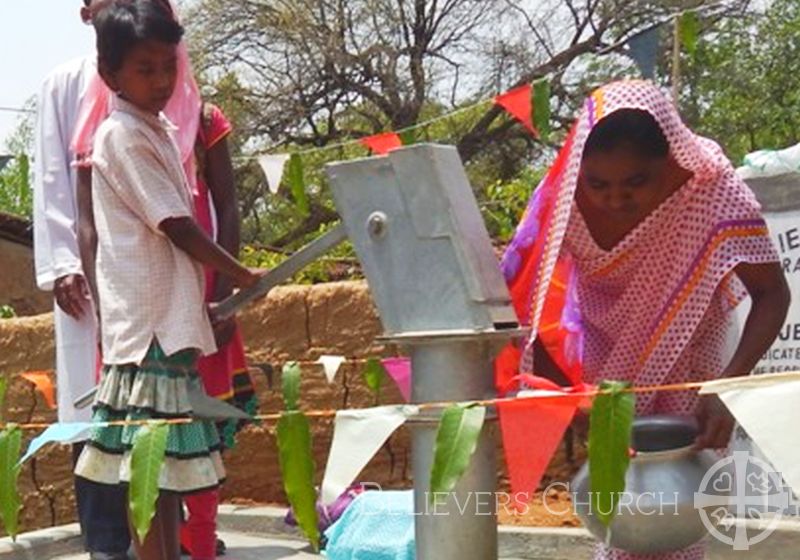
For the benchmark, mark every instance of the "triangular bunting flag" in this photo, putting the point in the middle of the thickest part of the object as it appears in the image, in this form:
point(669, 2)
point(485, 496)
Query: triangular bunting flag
point(517, 102)
point(382, 143)
point(273, 165)
point(331, 364)
point(44, 384)
point(58, 433)
point(643, 49)
point(399, 369)
point(766, 406)
point(357, 436)
point(532, 428)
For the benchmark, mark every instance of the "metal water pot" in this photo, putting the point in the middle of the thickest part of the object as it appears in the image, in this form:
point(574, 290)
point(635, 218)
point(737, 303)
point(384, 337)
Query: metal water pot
point(656, 513)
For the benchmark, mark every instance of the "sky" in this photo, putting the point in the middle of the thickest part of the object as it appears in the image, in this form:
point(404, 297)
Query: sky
point(35, 37)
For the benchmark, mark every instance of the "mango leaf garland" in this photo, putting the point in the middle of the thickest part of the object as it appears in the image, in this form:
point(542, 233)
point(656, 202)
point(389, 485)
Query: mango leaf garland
point(297, 183)
point(456, 441)
point(3, 387)
point(10, 445)
point(541, 108)
point(689, 28)
point(408, 137)
point(610, 426)
point(290, 382)
point(374, 375)
point(147, 457)
point(297, 470)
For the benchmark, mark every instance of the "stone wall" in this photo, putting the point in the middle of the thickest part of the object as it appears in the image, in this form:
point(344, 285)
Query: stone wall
point(17, 282)
point(294, 323)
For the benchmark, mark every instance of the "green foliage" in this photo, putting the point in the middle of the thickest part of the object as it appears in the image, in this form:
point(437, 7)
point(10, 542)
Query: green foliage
point(147, 458)
point(505, 202)
point(16, 196)
point(456, 440)
point(339, 264)
point(609, 445)
point(297, 470)
point(10, 503)
point(7, 312)
point(742, 86)
point(290, 380)
point(374, 375)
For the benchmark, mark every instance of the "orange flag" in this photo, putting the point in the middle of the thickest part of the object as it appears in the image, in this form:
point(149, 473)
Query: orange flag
point(532, 428)
point(43, 382)
point(382, 143)
point(517, 102)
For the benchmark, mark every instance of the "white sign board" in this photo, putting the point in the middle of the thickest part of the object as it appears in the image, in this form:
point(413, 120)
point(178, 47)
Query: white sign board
point(784, 354)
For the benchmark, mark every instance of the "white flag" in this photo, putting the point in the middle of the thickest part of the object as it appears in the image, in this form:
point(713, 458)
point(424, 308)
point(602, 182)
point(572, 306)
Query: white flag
point(331, 365)
point(767, 408)
point(357, 436)
point(272, 165)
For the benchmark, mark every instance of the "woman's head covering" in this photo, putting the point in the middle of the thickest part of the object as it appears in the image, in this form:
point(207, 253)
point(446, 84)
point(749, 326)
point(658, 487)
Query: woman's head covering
point(540, 277)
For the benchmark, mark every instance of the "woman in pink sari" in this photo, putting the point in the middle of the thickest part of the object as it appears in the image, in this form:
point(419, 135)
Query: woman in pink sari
point(655, 240)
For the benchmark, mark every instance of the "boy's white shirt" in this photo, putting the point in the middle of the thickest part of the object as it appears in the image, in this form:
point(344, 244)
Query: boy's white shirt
point(148, 287)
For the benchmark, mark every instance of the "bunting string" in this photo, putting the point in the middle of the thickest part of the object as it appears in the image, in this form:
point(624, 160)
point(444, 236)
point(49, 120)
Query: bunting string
point(330, 413)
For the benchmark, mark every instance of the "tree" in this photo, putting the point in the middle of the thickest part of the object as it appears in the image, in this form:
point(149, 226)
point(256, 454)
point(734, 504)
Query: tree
point(742, 87)
point(16, 196)
point(316, 72)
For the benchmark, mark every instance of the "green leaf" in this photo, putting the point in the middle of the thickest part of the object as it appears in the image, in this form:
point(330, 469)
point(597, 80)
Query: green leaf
point(456, 440)
point(297, 469)
point(10, 445)
point(294, 174)
point(147, 457)
point(541, 108)
point(3, 387)
point(374, 375)
point(609, 444)
point(408, 137)
point(689, 27)
point(290, 381)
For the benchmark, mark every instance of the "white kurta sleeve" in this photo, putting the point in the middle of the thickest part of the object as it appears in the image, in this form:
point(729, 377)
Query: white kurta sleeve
point(55, 208)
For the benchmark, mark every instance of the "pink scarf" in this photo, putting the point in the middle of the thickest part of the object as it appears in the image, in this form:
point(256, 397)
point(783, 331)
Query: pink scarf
point(183, 110)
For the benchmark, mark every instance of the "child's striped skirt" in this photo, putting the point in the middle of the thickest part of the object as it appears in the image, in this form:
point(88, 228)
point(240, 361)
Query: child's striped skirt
point(157, 388)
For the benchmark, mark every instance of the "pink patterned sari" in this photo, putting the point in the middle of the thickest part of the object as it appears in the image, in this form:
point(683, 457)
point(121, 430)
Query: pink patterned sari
point(657, 307)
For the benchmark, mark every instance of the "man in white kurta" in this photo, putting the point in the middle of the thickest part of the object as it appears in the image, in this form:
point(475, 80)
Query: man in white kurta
point(58, 262)
point(102, 510)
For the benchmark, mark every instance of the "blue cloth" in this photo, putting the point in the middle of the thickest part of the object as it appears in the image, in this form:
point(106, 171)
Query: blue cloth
point(376, 526)
point(57, 433)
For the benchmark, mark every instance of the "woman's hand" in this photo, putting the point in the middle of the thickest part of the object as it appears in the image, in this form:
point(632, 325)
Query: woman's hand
point(715, 422)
